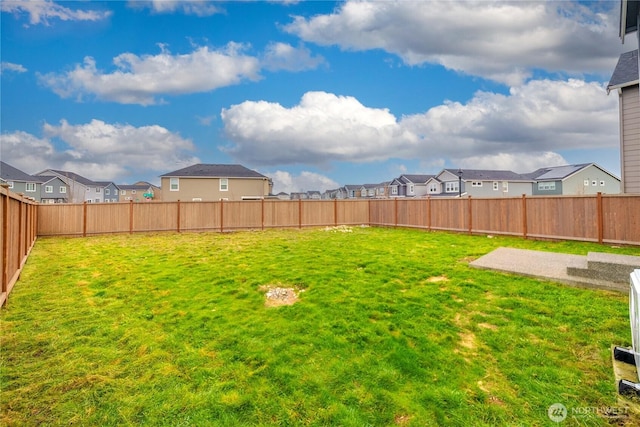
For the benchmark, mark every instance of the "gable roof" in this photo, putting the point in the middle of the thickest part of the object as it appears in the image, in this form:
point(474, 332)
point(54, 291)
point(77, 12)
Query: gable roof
point(626, 71)
point(204, 170)
point(415, 178)
point(10, 173)
point(488, 175)
point(69, 175)
point(556, 173)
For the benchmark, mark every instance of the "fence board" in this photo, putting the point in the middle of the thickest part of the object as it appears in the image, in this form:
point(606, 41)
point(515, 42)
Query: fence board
point(17, 236)
point(497, 216)
point(316, 213)
point(200, 216)
point(573, 218)
point(621, 219)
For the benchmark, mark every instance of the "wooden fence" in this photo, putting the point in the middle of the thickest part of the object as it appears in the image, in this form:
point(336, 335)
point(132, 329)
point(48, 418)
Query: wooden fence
point(18, 219)
point(613, 219)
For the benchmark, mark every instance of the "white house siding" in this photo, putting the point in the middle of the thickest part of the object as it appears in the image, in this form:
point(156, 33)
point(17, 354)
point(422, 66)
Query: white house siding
point(630, 139)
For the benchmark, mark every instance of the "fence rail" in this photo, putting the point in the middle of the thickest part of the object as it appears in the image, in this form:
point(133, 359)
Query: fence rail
point(596, 218)
point(18, 219)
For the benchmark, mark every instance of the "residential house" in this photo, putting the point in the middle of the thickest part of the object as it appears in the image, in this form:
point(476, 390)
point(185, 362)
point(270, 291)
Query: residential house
point(53, 190)
point(314, 195)
point(586, 178)
point(409, 186)
point(20, 182)
point(283, 196)
point(139, 192)
point(625, 81)
point(479, 183)
point(80, 189)
point(110, 191)
point(213, 182)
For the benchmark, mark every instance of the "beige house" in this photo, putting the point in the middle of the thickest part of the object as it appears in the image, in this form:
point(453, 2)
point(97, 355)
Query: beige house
point(625, 82)
point(214, 182)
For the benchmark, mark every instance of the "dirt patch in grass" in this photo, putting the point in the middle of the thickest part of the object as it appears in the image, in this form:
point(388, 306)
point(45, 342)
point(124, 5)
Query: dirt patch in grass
point(276, 295)
point(437, 279)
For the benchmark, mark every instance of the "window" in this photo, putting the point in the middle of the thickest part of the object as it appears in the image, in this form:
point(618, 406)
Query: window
point(411, 188)
point(394, 189)
point(48, 188)
point(505, 186)
point(451, 187)
point(594, 183)
point(586, 182)
point(476, 184)
point(31, 187)
point(224, 184)
point(97, 200)
point(10, 184)
point(433, 187)
point(174, 184)
point(98, 189)
point(196, 199)
point(496, 186)
point(107, 200)
point(107, 192)
point(123, 192)
point(601, 183)
point(546, 186)
point(63, 189)
point(133, 191)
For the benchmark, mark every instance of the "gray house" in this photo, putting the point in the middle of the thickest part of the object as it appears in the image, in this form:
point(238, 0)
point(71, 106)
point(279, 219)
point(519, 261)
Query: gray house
point(409, 185)
point(80, 188)
point(20, 182)
point(53, 190)
point(586, 178)
point(625, 82)
point(479, 183)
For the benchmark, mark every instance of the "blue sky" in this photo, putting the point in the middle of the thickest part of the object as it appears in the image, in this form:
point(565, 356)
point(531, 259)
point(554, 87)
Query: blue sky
point(315, 95)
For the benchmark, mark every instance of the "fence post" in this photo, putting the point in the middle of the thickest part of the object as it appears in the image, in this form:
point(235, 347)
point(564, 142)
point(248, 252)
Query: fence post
point(428, 213)
point(470, 217)
point(395, 212)
point(84, 219)
point(178, 216)
point(130, 216)
point(524, 216)
point(600, 217)
point(221, 215)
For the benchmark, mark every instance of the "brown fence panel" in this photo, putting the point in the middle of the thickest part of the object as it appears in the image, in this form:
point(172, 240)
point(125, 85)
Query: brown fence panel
point(155, 216)
point(103, 218)
point(200, 216)
point(412, 213)
point(382, 212)
point(316, 213)
point(353, 212)
point(281, 213)
point(60, 219)
point(246, 214)
point(497, 216)
point(621, 219)
point(18, 222)
point(562, 217)
point(449, 214)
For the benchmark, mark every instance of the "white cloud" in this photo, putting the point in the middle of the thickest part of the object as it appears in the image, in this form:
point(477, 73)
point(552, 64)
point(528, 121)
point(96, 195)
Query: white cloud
point(42, 11)
point(99, 150)
point(526, 127)
point(305, 180)
point(283, 56)
point(502, 41)
point(188, 7)
point(140, 79)
point(514, 162)
point(14, 68)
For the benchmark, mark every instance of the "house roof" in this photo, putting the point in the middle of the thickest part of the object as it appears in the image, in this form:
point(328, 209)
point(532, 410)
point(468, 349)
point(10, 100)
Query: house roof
point(9, 173)
point(416, 179)
point(488, 175)
point(203, 170)
point(70, 175)
point(556, 172)
point(626, 71)
point(133, 186)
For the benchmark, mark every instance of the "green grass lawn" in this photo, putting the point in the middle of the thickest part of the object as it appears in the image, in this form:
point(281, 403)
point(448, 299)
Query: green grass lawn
point(392, 327)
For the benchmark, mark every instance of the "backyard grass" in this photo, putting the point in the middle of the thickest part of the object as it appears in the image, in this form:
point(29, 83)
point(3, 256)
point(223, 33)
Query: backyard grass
point(392, 327)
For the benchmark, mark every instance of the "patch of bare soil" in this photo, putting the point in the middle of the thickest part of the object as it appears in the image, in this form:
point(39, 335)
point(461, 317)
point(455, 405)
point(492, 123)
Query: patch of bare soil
point(277, 296)
point(436, 279)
